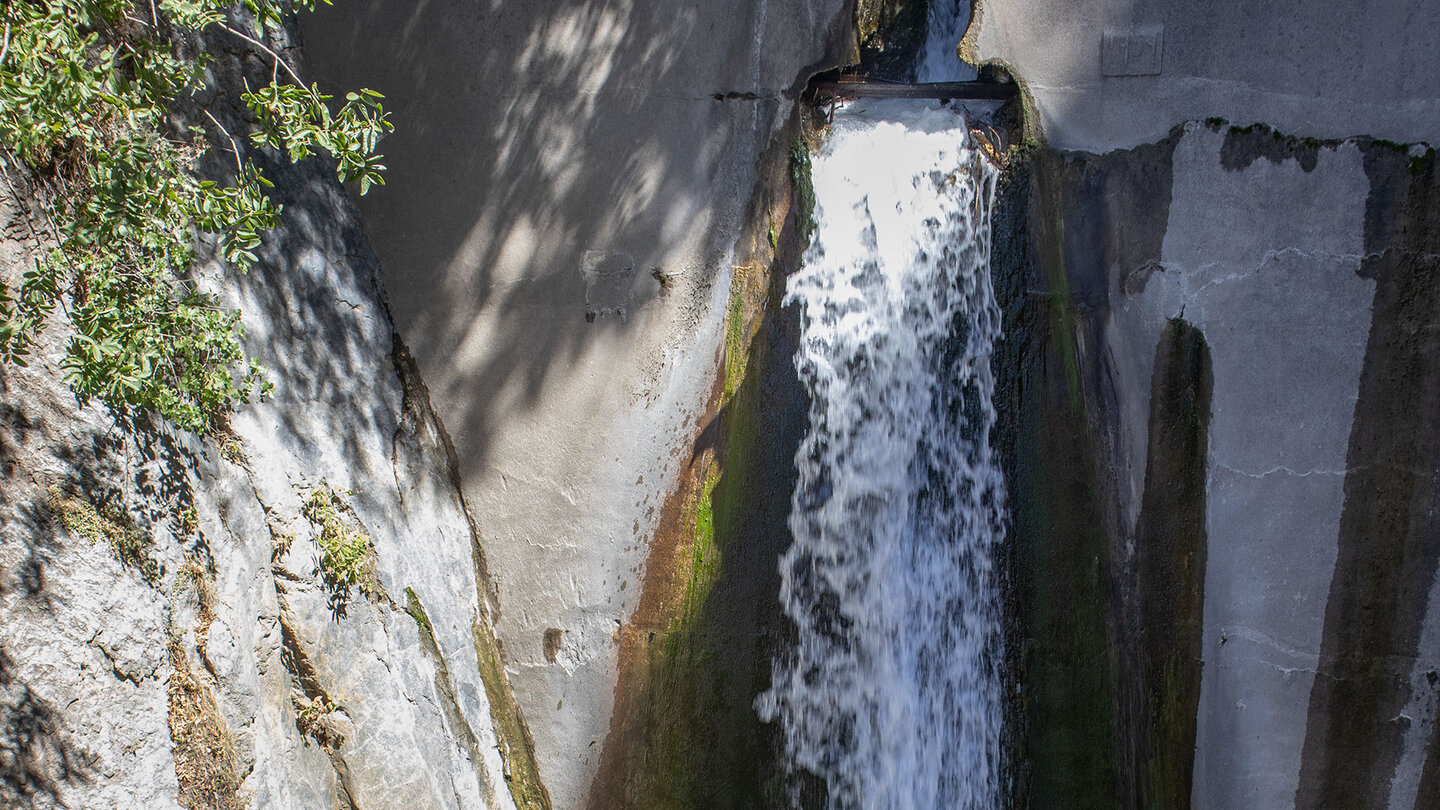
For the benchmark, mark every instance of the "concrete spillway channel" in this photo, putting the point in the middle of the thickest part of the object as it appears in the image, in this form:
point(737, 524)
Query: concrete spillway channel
point(1112, 480)
point(581, 246)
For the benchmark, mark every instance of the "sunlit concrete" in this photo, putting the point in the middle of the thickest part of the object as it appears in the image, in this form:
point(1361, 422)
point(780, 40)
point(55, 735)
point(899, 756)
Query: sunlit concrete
point(1320, 68)
point(552, 159)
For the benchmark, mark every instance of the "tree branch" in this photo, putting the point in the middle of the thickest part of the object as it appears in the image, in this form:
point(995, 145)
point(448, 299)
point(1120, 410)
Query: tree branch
point(239, 169)
point(266, 48)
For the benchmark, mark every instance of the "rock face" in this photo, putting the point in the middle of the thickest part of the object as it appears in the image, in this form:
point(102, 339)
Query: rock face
point(558, 233)
point(169, 638)
point(1223, 416)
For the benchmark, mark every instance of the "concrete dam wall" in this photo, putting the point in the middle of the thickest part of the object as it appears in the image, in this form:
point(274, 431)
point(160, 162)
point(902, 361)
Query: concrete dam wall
point(549, 373)
point(1224, 403)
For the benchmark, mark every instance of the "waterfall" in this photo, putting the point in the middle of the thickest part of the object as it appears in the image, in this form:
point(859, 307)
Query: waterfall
point(946, 23)
point(892, 694)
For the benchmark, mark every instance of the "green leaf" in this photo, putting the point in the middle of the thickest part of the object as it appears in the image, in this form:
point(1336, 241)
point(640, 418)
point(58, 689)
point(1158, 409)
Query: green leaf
point(77, 90)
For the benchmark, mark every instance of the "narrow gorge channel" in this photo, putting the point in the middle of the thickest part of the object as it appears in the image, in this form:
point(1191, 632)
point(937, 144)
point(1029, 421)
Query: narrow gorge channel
point(892, 693)
point(666, 433)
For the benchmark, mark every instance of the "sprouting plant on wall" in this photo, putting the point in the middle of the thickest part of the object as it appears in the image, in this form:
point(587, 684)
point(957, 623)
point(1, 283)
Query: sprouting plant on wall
point(312, 715)
point(100, 116)
point(345, 550)
point(131, 546)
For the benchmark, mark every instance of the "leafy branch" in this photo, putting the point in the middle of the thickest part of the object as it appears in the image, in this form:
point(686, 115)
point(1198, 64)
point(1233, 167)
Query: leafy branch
point(88, 92)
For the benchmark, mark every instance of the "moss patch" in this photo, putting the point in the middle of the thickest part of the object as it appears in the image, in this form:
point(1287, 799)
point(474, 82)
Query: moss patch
point(132, 547)
point(1245, 145)
point(704, 555)
point(517, 747)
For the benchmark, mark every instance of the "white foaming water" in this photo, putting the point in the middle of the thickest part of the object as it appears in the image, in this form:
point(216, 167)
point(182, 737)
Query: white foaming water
point(892, 695)
point(938, 60)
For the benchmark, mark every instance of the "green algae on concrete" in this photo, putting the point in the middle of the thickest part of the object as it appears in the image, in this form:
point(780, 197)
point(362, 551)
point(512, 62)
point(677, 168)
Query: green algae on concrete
point(1170, 555)
point(1062, 737)
point(1067, 669)
point(697, 652)
point(699, 726)
point(1105, 646)
point(1389, 538)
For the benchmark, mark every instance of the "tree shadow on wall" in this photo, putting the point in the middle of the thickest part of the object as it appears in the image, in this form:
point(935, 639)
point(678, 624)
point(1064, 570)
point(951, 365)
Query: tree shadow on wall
point(532, 139)
point(37, 761)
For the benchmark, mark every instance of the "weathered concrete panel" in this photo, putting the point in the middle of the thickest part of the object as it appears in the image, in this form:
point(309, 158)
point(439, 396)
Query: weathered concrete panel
point(1372, 666)
point(1324, 68)
point(1276, 289)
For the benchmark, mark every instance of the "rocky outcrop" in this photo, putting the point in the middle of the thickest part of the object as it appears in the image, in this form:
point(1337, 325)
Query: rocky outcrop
point(172, 637)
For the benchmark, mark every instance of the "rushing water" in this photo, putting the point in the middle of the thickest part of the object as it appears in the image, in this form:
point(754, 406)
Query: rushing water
point(891, 696)
point(937, 60)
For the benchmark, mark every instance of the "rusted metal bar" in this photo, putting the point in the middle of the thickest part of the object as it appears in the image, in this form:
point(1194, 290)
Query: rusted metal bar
point(854, 87)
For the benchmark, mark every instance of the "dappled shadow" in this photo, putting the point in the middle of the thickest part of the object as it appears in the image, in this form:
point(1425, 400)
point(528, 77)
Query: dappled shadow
point(328, 355)
point(37, 761)
point(18, 425)
point(24, 519)
point(32, 521)
point(547, 157)
point(697, 652)
point(314, 313)
point(161, 480)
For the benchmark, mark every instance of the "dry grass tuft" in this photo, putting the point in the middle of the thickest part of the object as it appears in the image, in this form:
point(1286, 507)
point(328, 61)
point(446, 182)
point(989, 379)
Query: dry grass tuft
point(206, 763)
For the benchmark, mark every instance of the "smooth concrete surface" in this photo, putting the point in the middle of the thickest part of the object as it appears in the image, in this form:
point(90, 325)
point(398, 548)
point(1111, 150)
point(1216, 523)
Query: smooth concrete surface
point(1272, 282)
point(1109, 74)
point(553, 160)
